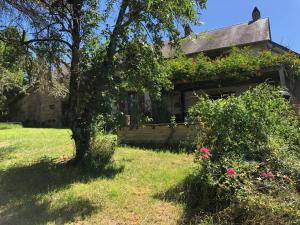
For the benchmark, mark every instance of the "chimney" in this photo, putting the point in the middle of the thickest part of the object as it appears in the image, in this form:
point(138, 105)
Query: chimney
point(256, 14)
point(187, 30)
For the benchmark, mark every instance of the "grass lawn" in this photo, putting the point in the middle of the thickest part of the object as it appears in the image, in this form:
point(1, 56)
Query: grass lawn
point(37, 188)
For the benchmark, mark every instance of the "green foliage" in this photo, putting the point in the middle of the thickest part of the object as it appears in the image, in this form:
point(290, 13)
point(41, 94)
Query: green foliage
point(101, 151)
point(240, 64)
point(254, 142)
point(142, 69)
point(11, 74)
point(173, 123)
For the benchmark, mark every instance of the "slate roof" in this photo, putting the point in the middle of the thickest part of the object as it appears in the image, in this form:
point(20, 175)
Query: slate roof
point(241, 34)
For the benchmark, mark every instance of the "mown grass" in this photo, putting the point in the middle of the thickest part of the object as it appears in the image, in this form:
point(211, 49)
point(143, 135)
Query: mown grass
point(36, 187)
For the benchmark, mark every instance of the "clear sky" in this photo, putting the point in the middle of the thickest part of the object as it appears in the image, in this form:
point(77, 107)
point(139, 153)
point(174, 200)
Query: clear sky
point(284, 17)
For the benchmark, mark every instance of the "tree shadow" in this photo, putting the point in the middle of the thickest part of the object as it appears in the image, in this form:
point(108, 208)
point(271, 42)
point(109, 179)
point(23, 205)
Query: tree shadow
point(21, 189)
point(33, 212)
point(198, 199)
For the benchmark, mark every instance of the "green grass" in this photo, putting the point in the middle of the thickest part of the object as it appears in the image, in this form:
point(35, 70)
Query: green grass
point(9, 125)
point(36, 187)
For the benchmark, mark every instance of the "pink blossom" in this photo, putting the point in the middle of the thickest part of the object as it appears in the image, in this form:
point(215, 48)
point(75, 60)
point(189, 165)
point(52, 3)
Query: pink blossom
point(268, 174)
point(205, 151)
point(202, 157)
point(230, 171)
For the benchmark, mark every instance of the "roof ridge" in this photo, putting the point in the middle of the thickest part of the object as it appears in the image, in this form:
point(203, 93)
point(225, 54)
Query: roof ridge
point(224, 28)
point(234, 35)
point(234, 25)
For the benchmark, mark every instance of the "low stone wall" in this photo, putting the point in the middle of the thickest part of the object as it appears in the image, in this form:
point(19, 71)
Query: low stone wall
point(156, 134)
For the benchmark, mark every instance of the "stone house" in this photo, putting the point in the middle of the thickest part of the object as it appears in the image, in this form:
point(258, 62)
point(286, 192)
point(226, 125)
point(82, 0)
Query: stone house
point(43, 103)
point(255, 34)
point(37, 108)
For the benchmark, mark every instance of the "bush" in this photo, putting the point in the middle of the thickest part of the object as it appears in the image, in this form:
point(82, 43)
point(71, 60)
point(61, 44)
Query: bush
point(102, 151)
point(252, 149)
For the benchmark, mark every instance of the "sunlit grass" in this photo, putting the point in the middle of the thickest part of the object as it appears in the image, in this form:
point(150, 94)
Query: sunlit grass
point(37, 188)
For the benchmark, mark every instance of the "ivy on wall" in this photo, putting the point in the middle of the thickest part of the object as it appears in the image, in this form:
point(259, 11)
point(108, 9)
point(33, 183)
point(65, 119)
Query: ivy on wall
point(240, 63)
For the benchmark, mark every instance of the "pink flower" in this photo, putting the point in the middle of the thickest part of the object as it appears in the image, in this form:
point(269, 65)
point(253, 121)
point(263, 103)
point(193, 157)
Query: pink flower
point(230, 171)
point(268, 174)
point(202, 157)
point(205, 151)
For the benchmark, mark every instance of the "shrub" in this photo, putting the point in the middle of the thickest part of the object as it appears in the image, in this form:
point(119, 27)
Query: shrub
point(102, 151)
point(252, 148)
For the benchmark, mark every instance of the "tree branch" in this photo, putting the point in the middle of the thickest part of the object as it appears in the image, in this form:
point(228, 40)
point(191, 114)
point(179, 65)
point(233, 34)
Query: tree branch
point(118, 27)
point(131, 17)
point(49, 40)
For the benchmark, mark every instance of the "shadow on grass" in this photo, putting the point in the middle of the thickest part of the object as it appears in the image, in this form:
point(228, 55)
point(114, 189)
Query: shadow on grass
point(199, 200)
point(22, 190)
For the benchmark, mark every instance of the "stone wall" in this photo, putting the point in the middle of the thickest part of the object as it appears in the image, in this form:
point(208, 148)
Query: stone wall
point(37, 109)
point(157, 134)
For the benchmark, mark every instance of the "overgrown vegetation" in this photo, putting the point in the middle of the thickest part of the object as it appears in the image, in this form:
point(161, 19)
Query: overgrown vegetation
point(248, 149)
point(240, 63)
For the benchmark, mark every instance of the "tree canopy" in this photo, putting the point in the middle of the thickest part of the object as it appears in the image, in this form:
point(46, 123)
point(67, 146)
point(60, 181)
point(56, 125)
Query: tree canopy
point(13, 65)
point(69, 31)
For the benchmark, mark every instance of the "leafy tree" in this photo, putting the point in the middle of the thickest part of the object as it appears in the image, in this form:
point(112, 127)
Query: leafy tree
point(13, 63)
point(72, 27)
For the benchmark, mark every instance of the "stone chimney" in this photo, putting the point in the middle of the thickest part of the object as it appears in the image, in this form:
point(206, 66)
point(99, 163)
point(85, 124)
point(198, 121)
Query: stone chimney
point(187, 30)
point(256, 14)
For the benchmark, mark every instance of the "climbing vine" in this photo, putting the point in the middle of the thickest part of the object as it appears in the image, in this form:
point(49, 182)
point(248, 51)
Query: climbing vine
point(240, 63)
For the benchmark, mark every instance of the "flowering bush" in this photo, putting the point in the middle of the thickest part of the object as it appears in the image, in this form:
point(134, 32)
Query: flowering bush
point(252, 146)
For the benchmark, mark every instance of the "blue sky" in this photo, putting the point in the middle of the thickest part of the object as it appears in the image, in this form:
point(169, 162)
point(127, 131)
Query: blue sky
point(284, 17)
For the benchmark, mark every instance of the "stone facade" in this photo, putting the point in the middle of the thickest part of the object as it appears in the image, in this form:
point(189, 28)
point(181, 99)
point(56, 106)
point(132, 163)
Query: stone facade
point(37, 109)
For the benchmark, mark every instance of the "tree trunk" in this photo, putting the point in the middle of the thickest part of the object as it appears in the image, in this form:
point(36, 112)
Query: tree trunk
point(82, 134)
point(80, 124)
point(82, 112)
